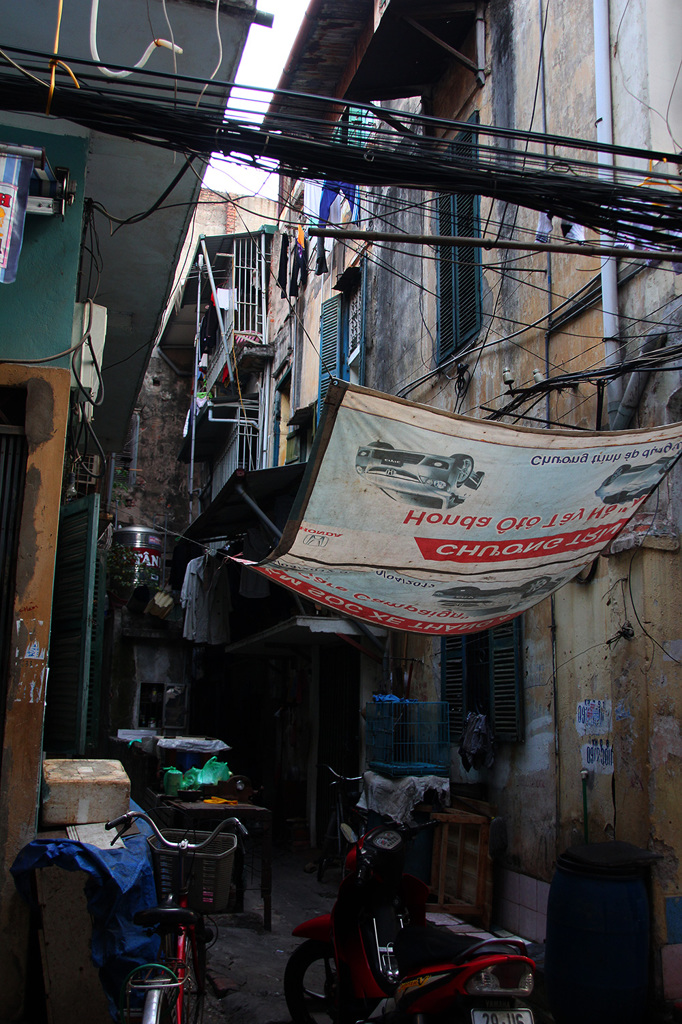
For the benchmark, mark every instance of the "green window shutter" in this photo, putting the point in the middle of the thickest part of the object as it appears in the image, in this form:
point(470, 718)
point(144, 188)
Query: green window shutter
point(452, 680)
point(459, 268)
point(330, 346)
point(505, 680)
point(293, 449)
point(483, 673)
point(69, 701)
point(96, 651)
point(446, 279)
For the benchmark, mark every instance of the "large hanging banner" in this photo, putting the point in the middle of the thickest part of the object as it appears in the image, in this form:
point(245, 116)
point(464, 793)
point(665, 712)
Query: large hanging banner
point(415, 519)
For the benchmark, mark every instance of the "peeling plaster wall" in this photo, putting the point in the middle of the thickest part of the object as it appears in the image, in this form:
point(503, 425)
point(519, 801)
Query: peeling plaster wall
point(46, 415)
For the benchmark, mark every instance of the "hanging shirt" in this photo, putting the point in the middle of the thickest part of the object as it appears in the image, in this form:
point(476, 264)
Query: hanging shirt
point(205, 596)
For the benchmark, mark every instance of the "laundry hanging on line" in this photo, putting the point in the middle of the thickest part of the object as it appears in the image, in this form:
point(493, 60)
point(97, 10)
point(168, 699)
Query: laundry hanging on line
point(205, 598)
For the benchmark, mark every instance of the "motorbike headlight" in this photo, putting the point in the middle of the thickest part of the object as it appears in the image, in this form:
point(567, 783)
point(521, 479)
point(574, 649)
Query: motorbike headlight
point(501, 979)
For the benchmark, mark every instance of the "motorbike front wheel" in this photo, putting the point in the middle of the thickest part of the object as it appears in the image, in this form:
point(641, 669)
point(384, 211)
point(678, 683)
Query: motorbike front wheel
point(310, 983)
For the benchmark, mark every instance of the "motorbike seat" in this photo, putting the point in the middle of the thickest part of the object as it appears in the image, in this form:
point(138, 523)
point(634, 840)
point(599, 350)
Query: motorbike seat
point(417, 947)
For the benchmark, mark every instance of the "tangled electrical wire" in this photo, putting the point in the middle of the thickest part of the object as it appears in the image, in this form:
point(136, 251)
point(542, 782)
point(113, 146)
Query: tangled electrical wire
point(598, 376)
point(542, 172)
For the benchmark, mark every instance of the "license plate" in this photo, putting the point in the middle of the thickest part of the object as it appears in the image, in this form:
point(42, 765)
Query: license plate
point(501, 1017)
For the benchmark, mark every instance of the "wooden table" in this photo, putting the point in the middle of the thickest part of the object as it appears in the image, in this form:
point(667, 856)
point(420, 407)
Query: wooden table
point(258, 820)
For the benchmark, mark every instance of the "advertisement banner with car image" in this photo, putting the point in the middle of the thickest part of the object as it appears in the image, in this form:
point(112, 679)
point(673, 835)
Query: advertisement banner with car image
point(416, 519)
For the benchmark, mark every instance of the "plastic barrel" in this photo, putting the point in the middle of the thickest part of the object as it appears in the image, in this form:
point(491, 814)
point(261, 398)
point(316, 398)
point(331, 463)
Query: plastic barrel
point(597, 946)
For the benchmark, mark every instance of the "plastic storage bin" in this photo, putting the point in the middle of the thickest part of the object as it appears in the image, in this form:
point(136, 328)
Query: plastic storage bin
point(408, 737)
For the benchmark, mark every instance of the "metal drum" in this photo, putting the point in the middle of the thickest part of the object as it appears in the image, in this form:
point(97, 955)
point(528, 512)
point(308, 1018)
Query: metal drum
point(147, 546)
point(597, 948)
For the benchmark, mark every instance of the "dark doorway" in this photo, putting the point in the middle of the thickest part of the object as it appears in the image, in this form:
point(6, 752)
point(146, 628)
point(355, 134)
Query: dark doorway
point(339, 733)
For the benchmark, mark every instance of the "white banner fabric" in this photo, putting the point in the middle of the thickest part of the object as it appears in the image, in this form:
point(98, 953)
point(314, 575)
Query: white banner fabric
point(416, 519)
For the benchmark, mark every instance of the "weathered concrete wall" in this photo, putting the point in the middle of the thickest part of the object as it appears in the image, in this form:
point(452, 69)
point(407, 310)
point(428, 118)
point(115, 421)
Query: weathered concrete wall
point(160, 496)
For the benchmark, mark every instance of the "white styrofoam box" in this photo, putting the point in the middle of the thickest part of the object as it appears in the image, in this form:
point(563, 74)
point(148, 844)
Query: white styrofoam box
point(79, 791)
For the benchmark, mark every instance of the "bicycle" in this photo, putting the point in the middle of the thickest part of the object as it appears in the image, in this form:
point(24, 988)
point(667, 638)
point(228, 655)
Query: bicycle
point(344, 799)
point(191, 879)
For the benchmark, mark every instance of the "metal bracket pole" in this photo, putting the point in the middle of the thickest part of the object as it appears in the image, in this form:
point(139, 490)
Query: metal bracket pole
point(278, 534)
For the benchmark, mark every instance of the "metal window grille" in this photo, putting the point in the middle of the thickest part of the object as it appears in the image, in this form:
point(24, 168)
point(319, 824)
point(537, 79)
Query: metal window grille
point(240, 452)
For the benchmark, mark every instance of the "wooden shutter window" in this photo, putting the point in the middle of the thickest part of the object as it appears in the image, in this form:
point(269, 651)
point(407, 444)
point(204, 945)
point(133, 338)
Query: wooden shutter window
point(505, 681)
point(483, 673)
point(459, 267)
point(330, 345)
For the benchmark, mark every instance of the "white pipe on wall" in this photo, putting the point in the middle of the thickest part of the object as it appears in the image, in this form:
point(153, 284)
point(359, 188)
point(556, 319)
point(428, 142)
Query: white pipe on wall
point(609, 267)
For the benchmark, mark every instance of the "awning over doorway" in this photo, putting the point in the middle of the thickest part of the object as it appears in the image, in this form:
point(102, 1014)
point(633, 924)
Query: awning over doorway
point(416, 519)
point(300, 631)
point(229, 515)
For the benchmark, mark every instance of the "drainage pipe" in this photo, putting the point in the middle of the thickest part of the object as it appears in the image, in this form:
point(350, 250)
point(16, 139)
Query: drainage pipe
point(609, 267)
point(637, 383)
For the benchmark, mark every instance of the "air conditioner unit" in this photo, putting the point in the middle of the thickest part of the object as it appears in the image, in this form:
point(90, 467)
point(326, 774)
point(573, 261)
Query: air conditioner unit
point(88, 316)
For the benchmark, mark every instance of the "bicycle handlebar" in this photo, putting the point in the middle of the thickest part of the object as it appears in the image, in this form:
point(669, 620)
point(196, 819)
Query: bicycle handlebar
point(342, 778)
point(127, 819)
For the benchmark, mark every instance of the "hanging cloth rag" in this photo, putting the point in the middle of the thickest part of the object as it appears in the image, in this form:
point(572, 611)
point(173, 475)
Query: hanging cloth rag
point(208, 331)
point(571, 232)
point(330, 192)
point(283, 263)
point(299, 264)
point(477, 748)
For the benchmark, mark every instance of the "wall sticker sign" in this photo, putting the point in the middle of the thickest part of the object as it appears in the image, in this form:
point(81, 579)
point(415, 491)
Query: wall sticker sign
point(416, 519)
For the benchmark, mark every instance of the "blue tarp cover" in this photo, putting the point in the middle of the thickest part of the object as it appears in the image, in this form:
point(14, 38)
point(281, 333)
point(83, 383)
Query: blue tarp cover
point(120, 882)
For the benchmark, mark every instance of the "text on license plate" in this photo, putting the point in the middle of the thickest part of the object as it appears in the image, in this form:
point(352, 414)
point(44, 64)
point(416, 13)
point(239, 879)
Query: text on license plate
point(501, 1017)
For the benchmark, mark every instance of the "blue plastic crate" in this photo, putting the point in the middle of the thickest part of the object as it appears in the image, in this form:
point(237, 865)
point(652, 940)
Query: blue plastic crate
point(407, 737)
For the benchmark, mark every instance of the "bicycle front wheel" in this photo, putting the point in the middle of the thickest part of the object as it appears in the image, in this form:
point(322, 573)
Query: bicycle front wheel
point(188, 958)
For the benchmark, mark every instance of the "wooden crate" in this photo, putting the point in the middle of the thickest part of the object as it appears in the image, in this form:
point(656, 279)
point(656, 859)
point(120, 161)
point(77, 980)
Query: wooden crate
point(461, 879)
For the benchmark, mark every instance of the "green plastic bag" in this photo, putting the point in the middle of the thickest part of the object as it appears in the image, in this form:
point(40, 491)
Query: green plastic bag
point(213, 772)
point(172, 781)
point(190, 780)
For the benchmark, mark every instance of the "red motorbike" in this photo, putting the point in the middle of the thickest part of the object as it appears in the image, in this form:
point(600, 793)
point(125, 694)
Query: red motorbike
point(374, 957)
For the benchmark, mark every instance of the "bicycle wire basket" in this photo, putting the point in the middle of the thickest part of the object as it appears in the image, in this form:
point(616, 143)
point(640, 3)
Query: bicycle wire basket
point(408, 737)
point(208, 872)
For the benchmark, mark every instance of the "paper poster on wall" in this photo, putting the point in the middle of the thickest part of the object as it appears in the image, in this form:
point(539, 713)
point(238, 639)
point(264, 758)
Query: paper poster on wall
point(420, 520)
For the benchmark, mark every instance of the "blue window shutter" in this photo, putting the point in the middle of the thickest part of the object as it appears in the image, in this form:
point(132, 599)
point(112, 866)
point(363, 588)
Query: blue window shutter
point(330, 346)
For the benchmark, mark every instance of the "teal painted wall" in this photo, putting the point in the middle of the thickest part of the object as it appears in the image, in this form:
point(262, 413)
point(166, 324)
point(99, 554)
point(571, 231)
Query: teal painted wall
point(36, 310)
